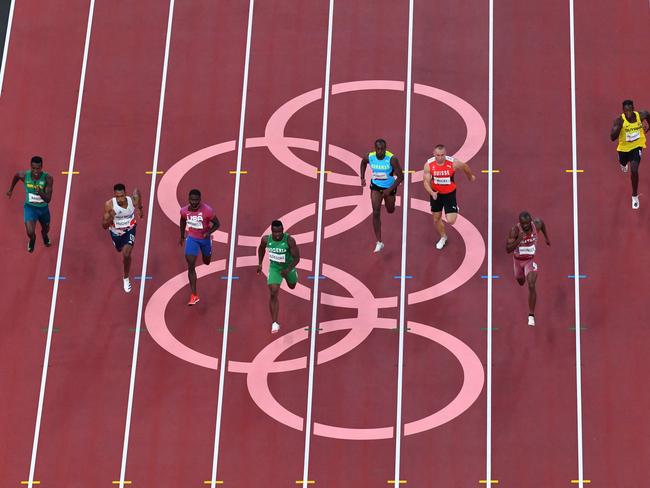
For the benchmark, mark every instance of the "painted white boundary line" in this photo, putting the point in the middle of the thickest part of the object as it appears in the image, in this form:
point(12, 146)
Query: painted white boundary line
point(576, 247)
point(6, 48)
point(402, 288)
point(319, 230)
point(147, 241)
point(231, 255)
point(59, 257)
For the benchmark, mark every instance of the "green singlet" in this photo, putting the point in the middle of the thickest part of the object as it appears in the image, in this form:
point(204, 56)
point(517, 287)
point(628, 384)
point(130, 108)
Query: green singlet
point(31, 196)
point(280, 258)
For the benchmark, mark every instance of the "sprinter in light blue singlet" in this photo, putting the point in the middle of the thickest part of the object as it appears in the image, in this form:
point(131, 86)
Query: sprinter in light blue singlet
point(386, 177)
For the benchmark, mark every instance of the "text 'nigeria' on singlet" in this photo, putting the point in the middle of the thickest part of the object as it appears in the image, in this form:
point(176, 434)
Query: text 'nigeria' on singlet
point(632, 134)
point(197, 222)
point(31, 196)
point(382, 171)
point(442, 175)
point(124, 219)
point(526, 247)
point(279, 253)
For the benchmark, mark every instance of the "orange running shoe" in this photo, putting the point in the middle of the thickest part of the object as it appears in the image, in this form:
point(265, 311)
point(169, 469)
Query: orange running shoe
point(194, 299)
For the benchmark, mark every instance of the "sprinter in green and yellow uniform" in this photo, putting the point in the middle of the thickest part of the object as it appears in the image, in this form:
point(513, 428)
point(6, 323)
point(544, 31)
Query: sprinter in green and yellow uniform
point(629, 130)
point(283, 258)
point(38, 193)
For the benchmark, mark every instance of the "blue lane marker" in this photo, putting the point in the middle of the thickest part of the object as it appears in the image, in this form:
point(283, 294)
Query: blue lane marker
point(225, 277)
point(140, 277)
point(407, 277)
point(54, 277)
point(494, 277)
point(313, 277)
point(579, 276)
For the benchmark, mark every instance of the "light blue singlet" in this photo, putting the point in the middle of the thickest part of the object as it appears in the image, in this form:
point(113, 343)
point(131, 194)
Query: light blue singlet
point(381, 170)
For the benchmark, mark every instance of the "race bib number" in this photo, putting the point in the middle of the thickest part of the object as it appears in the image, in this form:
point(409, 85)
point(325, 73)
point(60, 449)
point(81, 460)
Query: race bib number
point(442, 180)
point(527, 250)
point(379, 176)
point(34, 198)
point(277, 257)
point(122, 223)
point(632, 136)
point(195, 224)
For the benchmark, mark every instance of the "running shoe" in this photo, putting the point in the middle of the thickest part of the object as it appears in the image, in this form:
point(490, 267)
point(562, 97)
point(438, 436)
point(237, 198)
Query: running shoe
point(531, 319)
point(275, 327)
point(127, 285)
point(194, 299)
point(635, 202)
point(624, 168)
point(30, 245)
point(379, 246)
point(441, 243)
point(46, 240)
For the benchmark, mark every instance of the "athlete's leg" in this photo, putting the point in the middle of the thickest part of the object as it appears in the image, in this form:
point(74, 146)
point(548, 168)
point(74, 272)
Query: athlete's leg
point(634, 176)
point(292, 279)
point(451, 218)
point(532, 292)
point(206, 259)
point(376, 198)
point(438, 223)
point(274, 303)
point(126, 257)
point(389, 201)
point(30, 227)
point(191, 271)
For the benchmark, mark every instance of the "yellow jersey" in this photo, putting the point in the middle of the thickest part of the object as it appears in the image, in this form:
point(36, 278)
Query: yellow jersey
point(632, 134)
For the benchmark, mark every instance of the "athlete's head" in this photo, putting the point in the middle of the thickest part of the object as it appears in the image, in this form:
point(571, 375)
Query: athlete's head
point(628, 107)
point(380, 148)
point(277, 230)
point(119, 190)
point(525, 220)
point(194, 198)
point(440, 153)
point(36, 165)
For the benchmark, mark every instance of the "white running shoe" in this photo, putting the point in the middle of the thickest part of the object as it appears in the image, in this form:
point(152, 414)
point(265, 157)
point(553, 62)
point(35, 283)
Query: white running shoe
point(441, 243)
point(275, 327)
point(127, 285)
point(531, 320)
point(635, 202)
point(379, 246)
point(624, 168)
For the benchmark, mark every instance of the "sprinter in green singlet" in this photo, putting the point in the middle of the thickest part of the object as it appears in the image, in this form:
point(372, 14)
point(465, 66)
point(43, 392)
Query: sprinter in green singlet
point(283, 258)
point(38, 193)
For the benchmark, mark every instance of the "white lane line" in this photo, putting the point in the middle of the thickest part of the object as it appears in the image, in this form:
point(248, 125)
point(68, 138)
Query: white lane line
point(488, 366)
point(231, 254)
point(147, 241)
point(59, 257)
point(6, 47)
point(317, 257)
point(576, 250)
point(402, 289)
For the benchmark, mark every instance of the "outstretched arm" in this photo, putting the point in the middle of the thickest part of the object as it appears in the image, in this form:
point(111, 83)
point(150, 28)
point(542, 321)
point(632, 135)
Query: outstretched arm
point(397, 172)
point(464, 167)
point(616, 128)
point(20, 176)
point(137, 201)
point(645, 119)
point(541, 226)
point(514, 238)
point(109, 213)
point(362, 170)
point(261, 250)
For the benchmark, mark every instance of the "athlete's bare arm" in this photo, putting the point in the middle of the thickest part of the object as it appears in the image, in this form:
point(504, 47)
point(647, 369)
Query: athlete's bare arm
point(215, 225)
point(426, 179)
point(616, 128)
point(182, 225)
point(514, 238)
point(109, 213)
point(362, 170)
point(261, 250)
point(397, 172)
point(137, 201)
point(464, 167)
point(46, 193)
point(541, 226)
point(20, 176)
point(645, 119)
point(295, 254)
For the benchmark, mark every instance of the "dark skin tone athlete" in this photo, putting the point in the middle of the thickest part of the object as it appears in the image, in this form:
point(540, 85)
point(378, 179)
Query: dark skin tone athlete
point(514, 239)
point(628, 110)
point(109, 213)
point(45, 194)
point(276, 235)
point(195, 203)
point(377, 196)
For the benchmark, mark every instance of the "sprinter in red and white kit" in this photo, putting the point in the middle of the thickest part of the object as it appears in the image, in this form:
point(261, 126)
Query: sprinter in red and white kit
point(440, 185)
point(522, 240)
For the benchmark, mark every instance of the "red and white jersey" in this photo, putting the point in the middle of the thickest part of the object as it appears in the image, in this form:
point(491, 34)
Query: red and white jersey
point(442, 175)
point(526, 248)
point(124, 219)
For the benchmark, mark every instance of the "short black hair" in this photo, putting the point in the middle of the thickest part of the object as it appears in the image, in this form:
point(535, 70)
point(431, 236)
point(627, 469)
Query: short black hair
point(277, 223)
point(525, 215)
point(196, 192)
point(628, 102)
point(119, 187)
point(37, 160)
point(380, 141)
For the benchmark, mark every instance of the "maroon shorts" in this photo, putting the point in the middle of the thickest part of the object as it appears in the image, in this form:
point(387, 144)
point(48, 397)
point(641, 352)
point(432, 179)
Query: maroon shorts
point(524, 266)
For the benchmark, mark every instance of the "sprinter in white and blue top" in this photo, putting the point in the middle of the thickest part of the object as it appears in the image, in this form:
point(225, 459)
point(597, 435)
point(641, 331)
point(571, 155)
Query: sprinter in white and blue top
point(386, 176)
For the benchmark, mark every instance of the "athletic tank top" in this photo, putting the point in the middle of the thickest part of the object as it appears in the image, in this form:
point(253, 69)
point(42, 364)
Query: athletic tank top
point(442, 176)
point(632, 134)
point(31, 196)
point(526, 247)
point(124, 219)
point(382, 171)
point(279, 253)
